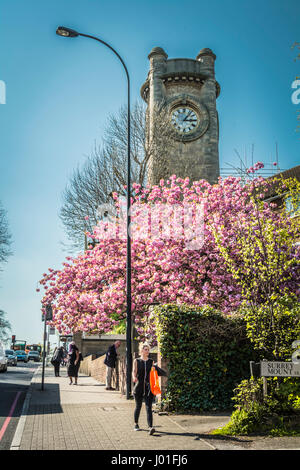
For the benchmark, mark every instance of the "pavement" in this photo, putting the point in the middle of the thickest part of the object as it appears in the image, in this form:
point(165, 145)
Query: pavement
point(88, 417)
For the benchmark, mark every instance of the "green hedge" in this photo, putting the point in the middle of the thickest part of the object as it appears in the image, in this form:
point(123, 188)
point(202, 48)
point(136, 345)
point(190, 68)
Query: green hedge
point(208, 356)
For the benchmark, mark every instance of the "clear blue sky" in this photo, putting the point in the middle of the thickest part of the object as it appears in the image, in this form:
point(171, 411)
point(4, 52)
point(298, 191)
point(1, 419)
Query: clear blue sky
point(60, 92)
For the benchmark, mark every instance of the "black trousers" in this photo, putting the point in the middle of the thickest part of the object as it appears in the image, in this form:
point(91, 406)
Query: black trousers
point(138, 405)
point(56, 369)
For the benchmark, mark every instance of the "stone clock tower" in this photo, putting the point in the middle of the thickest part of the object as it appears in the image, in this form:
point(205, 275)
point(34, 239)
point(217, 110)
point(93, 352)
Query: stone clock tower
point(187, 91)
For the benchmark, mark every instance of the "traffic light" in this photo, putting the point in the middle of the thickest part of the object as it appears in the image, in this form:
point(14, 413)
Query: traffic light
point(13, 338)
point(49, 313)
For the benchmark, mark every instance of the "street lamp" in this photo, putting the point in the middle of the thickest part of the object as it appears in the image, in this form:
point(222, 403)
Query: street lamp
point(67, 32)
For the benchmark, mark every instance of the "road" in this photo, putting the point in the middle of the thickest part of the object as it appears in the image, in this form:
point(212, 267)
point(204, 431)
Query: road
point(13, 387)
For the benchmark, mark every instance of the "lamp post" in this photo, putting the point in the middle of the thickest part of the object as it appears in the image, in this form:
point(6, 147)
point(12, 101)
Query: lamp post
point(67, 32)
point(45, 317)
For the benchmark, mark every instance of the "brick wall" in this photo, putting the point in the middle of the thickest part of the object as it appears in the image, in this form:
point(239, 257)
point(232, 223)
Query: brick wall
point(95, 367)
point(85, 365)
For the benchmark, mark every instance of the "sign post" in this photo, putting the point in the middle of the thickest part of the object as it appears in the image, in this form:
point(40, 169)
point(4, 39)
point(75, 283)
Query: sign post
point(45, 318)
point(278, 369)
point(266, 368)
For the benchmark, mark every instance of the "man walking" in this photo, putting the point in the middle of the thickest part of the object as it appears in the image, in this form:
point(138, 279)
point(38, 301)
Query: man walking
point(110, 362)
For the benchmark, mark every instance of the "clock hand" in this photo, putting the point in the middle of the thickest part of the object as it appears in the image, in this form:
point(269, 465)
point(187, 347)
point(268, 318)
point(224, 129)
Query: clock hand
point(187, 116)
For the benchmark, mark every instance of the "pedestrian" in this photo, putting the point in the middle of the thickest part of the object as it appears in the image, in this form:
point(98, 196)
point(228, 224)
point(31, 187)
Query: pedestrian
point(56, 360)
point(72, 370)
point(64, 357)
point(142, 391)
point(110, 362)
point(80, 358)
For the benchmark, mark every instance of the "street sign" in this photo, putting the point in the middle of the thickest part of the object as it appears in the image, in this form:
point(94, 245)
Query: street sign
point(279, 369)
point(51, 331)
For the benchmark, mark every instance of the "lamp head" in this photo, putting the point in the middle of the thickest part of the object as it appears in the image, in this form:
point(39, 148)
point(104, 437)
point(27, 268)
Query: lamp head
point(66, 32)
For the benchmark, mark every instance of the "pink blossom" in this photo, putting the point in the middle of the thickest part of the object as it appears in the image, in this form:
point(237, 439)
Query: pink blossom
point(89, 292)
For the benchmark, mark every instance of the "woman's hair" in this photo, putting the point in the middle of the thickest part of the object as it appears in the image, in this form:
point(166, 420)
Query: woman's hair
point(144, 345)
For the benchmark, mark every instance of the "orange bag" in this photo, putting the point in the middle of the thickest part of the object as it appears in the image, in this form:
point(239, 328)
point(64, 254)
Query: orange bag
point(154, 383)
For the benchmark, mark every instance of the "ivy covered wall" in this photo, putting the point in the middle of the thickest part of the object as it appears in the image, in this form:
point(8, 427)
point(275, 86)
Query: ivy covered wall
point(208, 355)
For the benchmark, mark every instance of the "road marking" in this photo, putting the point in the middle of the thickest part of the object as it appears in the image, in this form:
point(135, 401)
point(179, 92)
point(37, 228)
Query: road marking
point(16, 442)
point(7, 421)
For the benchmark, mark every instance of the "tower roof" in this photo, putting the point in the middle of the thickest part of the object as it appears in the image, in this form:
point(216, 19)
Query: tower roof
point(158, 51)
point(206, 51)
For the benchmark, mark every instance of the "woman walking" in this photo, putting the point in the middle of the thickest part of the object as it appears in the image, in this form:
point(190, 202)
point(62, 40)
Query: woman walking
point(72, 363)
point(56, 360)
point(141, 377)
point(77, 366)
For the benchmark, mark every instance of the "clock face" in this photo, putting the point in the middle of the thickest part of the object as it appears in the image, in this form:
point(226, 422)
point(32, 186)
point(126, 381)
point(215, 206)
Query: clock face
point(185, 120)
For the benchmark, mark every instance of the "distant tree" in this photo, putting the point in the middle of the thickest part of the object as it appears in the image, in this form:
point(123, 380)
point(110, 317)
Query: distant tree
point(5, 252)
point(5, 327)
point(5, 237)
point(105, 170)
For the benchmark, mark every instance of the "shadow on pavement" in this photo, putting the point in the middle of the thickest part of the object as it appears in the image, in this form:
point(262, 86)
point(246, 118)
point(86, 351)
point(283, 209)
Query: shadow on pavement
point(45, 401)
point(197, 437)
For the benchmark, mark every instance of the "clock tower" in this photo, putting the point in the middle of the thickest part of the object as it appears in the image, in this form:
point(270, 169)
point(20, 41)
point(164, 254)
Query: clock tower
point(187, 90)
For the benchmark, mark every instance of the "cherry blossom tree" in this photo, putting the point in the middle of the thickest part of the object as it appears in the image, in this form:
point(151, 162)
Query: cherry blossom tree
point(176, 255)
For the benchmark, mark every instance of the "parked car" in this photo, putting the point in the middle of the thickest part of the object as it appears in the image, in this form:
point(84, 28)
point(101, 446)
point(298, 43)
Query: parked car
point(11, 357)
point(22, 356)
point(34, 356)
point(3, 360)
